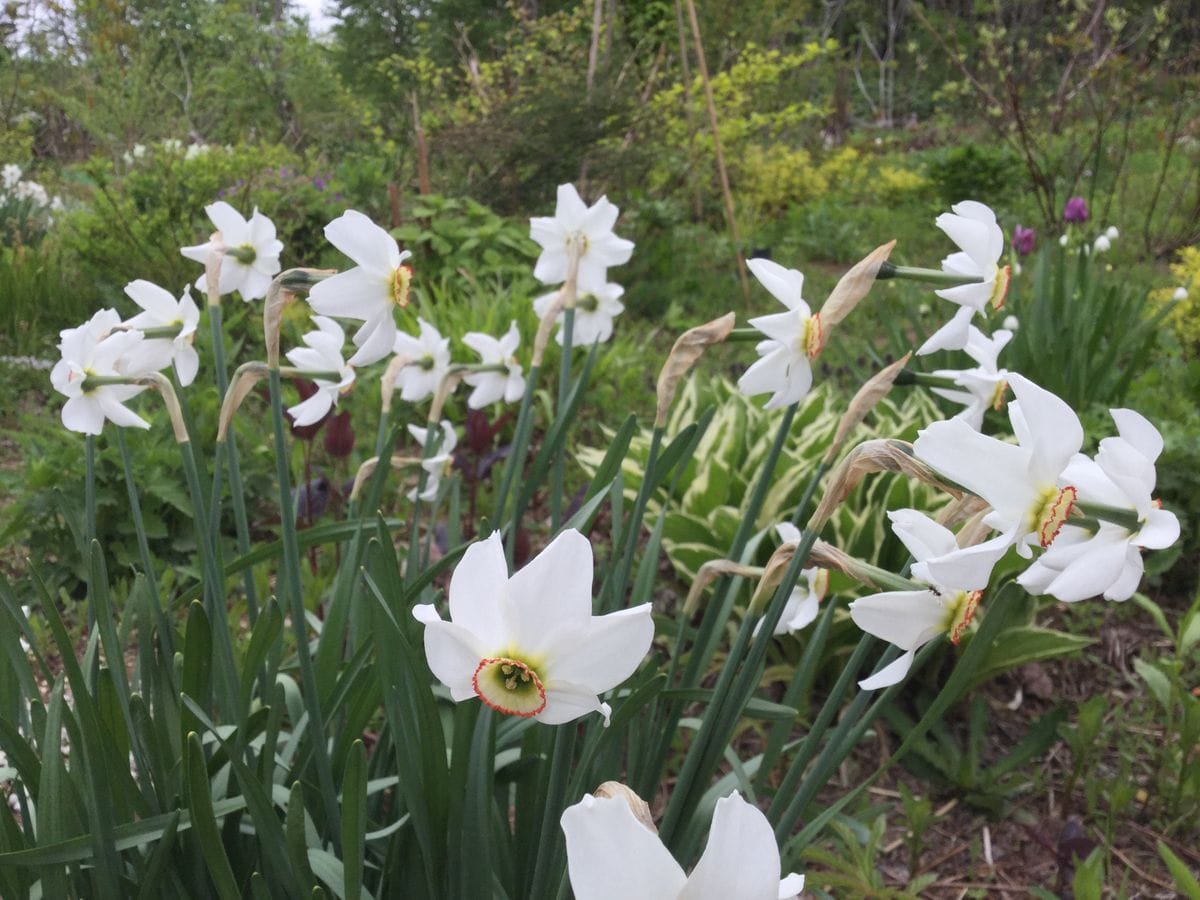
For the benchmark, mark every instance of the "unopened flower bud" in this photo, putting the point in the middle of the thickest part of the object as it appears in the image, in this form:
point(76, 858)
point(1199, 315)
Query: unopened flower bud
point(1075, 210)
point(339, 436)
point(1111, 232)
point(1180, 294)
point(1063, 241)
point(1012, 323)
point(1024, 240)
point(1102, 244)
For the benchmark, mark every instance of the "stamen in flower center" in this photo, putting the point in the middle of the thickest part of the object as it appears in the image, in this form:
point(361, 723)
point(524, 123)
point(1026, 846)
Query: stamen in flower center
point(1051, 513)
point(1000, 287)
point(245, 254)
point(401, 279)
point(810, 338)
point(998, 395)
point(587, 303)
point(965, 605)
point(509, 686)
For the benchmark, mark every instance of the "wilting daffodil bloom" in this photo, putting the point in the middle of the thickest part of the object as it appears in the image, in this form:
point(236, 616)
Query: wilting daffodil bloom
point(1084, 563)
point(910, 619)
point(508, 385)
point(371, 290)
point(436, 465)
point(428, 356)
point(1022, 482)
point(528, 645)
point(595, 310)
point(251, 251)
point(804, 602)
point(794, 339)
point(578, 228)
point(972, 226)
point(982, 386)
point(162, 312)
point(610, 854)
point(323, 354)
point(95, 351)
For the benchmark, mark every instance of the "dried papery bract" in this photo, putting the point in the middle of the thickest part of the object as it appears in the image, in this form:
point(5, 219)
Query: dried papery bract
point(689, 347)
point(618, 791)
point(875, 389)
point(387, 382)
point(710, 572)
point(882, 455)
point(243, 381)
point(281, 292)
point(446, 386)
point(156, 381)
point(368, 467)
point(852, 287)
point(772, 575)
point(212, 272)
point(968, 506)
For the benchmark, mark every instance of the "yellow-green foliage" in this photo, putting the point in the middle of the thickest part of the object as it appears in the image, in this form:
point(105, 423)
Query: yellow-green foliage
point(1185, 317)
point(894, 184)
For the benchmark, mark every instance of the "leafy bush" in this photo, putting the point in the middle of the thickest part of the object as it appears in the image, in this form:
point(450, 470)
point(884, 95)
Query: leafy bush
point(1185, 314)
point(988, 173)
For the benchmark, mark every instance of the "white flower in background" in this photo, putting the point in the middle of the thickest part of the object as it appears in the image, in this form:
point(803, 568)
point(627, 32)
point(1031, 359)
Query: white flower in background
point(1102, 244)
point(794, 339)
point(161, 310)
point(1011, 323)
point(251, 252)
point(803, 603)
point(435, 466)
point(491, 387)
point(972, 226)
point(589, 227)
point(95, 349)
point(910, 619)
point(323, 353)
point(1112, 233)
point(595, 310)
point(1063, 240)
point(171, 145)
point(1083, 563)
point(1180, 294)
point(529, 645)
point(428, 356)
point(982, 386)
point(371, 290)
point(31, 190)
point(195, 150)
point(10, 175)
point(611, 854)
point(1022, 482)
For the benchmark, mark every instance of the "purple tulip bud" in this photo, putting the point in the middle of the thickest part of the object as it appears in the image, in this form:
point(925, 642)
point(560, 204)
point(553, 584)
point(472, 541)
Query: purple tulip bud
point(339, 436)
point(1075, 210)
point(1024, 240)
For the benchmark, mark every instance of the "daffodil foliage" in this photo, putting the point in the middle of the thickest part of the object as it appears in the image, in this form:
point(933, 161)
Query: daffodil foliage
point(410, 696)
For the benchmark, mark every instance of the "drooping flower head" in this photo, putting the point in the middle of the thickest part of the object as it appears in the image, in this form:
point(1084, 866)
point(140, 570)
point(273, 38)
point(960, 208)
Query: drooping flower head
point(322, 354)
point(910, 619)
point(428, 356)
point(804, 602)
point(1075, 210)
point(251, 251)
point(794, 339)
point(528, 645)
point(95, 349)
point(576, 227)
point(983, 386)
point(610, 853)
point(160, 310)
point(436, 465)
point(595, 310)
point(1024, 240)
point(1085, 563)
point(973, 227)
point(370, 291)
point(1022, 482)
point(507, 385)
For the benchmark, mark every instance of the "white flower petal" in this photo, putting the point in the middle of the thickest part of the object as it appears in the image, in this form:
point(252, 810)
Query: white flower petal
point(364, 242)
point(740, 859)
point(907, 619)
point(479, 592)
point(610, 854)
point(892, 673)
point(453, 654)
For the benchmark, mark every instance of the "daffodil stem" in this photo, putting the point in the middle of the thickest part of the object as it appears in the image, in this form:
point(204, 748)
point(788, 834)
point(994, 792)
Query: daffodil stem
point(1126, 518)
point(564, 387)
point(290, 583)
point(135, 509)
point(89, 508)
point(744, 335)
point(237, 491)
point(551, 841)
point(908, 377)
point(516, 460)
point(935, 276)
point(616, 598)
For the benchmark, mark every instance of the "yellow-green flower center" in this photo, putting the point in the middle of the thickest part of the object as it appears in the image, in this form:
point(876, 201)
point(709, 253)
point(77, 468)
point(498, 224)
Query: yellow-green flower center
point(810, 339)
point(509, 686)
point(961, 613)
point(587, 303)
point(1050, 512)
point(401, 279)
point(1000, 287)
point(998, 395)
point(245, 254)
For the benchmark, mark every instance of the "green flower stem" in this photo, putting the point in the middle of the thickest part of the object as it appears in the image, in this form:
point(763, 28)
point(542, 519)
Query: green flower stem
point(1126, 518)
point(908, 376)
point(744, 335)
point(135, 509)
point(564, 386)
point(89, 510)
point(936, 276)
point(633, 530)
point(550, 844)
point(236, 487)
point(290, 584)
point(516, 460)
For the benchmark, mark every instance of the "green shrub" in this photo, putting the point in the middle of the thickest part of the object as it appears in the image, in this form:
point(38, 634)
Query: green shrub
point(985, 173)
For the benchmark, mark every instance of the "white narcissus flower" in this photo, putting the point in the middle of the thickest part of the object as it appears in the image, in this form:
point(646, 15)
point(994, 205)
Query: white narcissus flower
point(1180, 294)
point(491, 387)
point(528, 645)
point(595, 310)
point(323, 353)
point(1112, 233)
point(972, 226)
point(371, 290)
point(95, 349)
point(1022, 482)
point(610, 854)
point(428, 359)
point(910, 619)
point(437, 465)
point(784, 368)
point(161, 310)
point(1083, 563)
point(587, 227)
point(251, 252)
point(1102, 244)
point(804, 602)
point(10, 175)
point(982, 386)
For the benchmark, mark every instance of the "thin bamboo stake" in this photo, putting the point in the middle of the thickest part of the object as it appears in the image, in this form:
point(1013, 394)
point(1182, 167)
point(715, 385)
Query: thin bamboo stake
point(720, 156)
